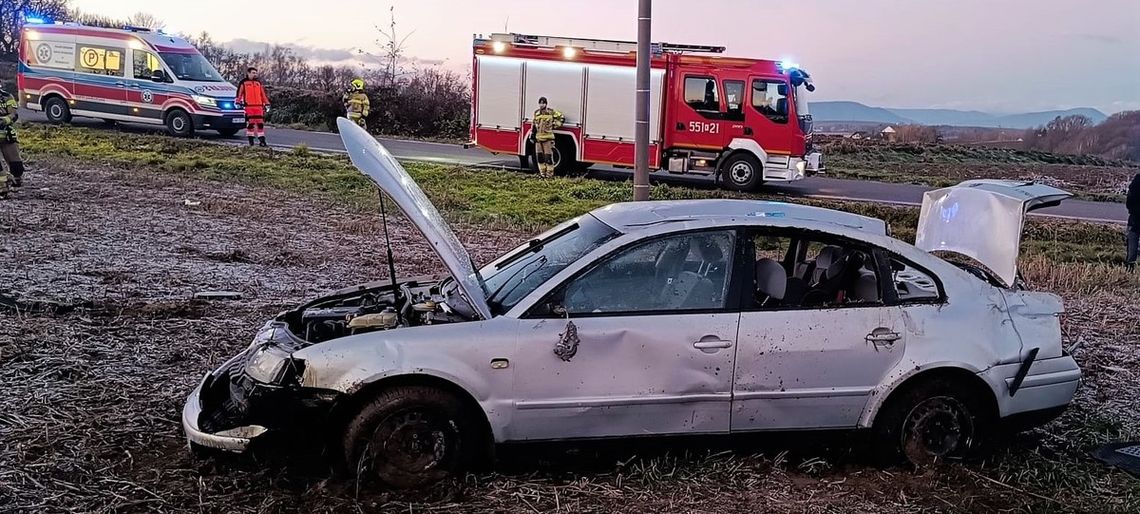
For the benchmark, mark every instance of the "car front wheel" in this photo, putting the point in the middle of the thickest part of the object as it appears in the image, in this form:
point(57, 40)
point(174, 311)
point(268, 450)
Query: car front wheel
point(933, 421)
point(179, 123)
point(742, 172)
point(408, 437)
point(57, 110)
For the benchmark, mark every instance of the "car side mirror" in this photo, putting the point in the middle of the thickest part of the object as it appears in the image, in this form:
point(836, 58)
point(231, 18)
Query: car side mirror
point(158, 76)
point(558, 309)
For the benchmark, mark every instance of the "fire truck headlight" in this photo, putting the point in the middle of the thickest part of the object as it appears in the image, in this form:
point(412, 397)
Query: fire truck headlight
point(499, 47)
point(801, 167)
point(569, 52)
point(205, 101)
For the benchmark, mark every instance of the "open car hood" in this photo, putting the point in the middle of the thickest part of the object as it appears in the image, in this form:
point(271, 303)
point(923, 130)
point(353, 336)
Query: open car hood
point(372, 159)
point(983, 219)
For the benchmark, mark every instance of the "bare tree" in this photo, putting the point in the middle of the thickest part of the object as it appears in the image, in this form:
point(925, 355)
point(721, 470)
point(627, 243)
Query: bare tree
point(12, 14)
point(392, 49)
point(146, 20)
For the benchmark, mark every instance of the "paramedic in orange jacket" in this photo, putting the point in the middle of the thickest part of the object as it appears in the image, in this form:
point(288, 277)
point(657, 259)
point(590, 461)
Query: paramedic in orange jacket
point(251, 96)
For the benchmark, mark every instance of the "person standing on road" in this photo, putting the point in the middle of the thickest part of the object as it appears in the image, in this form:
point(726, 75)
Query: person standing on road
point(356, 103)
point(251, 97)
point(545, 121)
point(9, 147)
point(1133, 234)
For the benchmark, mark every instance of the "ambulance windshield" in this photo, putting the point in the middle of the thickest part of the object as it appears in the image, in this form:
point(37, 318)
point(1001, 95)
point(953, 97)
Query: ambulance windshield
point(191, 67)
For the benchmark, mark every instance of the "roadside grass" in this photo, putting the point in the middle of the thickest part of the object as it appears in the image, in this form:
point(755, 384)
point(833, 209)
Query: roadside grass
point(478, 195)
point(1046, 470)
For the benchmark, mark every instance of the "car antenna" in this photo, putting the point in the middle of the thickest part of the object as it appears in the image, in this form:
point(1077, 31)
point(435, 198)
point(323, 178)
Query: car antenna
point(388, 244)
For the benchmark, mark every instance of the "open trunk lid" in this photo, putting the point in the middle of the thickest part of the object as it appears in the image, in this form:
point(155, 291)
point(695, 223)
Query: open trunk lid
point(983, 219)
point(372, 159)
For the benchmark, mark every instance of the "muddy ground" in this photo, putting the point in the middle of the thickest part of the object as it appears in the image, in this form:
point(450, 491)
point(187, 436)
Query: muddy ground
point(90, 399)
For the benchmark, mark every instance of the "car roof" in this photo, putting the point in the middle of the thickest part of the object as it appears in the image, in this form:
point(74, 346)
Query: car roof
point(631, 216)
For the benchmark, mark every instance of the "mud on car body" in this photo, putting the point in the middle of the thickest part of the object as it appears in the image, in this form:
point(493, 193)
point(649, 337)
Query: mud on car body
point(661, 318)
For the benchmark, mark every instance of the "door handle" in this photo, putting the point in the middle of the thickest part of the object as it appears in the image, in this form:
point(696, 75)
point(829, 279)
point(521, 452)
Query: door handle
point(711, 344)
point(883, 337)
point(680, 126)
point(748, 131)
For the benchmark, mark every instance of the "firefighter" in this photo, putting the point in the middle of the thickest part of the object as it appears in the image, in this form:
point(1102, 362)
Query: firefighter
point(546, 120)
point(9, 148)
point(251, 97)
point(356, 103)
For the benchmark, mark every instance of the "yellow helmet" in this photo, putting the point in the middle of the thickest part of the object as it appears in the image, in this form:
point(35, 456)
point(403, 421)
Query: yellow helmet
point(357, 84)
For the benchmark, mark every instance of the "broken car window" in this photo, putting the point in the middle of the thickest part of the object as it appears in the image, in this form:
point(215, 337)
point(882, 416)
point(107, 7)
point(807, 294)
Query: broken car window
point(511, 279)
point(686, 272)
point(812, 274)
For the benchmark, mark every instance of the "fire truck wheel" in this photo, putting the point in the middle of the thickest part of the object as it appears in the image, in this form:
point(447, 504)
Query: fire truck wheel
point(57, 111)
point(742, 172)
point(179, 123)
point(525, 162)
point(564, 161)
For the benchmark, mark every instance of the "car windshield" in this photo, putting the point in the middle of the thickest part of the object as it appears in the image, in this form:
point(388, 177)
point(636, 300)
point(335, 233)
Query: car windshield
point(511, 278)
point(191, 67)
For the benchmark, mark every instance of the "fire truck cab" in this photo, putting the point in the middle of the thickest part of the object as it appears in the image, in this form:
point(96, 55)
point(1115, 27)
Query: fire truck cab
point(741, 121)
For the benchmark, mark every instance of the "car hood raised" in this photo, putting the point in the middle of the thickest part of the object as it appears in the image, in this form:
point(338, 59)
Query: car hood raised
point(372, 159)
point(983, 219)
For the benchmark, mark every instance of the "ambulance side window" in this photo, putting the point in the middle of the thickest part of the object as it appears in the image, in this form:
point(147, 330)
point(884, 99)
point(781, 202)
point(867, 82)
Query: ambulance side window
point(145, 64)
point(99, 60)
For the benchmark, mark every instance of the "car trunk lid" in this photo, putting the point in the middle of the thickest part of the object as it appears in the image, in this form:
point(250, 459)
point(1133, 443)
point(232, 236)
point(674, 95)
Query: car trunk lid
point(983, 219)
point(372, 159)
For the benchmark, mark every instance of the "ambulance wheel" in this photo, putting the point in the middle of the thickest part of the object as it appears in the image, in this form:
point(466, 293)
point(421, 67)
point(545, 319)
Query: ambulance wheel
point(57, 111)
point(179, 123)
point(229, 132)
point(742, 172)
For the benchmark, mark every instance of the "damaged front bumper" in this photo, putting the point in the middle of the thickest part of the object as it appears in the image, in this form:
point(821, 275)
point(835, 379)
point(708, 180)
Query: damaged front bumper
point(232, 412)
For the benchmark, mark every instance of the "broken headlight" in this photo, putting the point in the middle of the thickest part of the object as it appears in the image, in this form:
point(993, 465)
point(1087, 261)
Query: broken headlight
point(267, 362)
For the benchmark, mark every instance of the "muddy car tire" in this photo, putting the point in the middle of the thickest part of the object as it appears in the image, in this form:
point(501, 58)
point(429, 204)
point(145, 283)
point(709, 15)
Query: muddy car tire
point(409, 437)
point(932, 421)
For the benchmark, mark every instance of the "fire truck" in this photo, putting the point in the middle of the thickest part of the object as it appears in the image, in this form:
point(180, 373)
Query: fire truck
point(740, 121)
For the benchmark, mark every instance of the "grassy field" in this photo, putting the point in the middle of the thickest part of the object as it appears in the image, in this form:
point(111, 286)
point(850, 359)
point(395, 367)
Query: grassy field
point(1089, 177)
point(90, 423)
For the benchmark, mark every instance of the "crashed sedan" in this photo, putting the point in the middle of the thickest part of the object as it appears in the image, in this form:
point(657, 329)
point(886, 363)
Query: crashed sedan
point(661, 318)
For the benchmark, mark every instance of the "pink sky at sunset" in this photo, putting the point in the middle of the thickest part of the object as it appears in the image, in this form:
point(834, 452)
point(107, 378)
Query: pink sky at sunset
point(995, 55)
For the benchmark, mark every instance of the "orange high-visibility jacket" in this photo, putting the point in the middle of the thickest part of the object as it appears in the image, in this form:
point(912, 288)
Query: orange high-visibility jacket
point(251, 94)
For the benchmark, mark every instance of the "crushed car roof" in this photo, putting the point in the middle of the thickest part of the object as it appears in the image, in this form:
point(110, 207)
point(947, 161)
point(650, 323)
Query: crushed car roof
point(632, 215)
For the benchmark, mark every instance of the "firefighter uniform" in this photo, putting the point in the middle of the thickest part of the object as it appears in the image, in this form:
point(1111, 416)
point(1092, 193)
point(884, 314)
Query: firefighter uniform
point(356, 103)
point(545, 121)
point(9, 147)
point(251, 96)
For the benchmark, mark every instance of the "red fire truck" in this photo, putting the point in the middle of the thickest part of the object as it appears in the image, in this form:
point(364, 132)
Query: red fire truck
point(741, 121)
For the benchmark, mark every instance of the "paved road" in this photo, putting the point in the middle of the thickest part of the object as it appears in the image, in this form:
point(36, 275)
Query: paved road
point(815, 187)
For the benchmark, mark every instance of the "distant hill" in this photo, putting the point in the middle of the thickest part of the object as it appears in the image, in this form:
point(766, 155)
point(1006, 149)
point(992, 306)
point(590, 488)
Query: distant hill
point(855, 111)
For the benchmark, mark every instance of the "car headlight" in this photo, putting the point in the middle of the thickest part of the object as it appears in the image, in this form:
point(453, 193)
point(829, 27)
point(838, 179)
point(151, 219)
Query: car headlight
point(267, 362)
point(205, 101)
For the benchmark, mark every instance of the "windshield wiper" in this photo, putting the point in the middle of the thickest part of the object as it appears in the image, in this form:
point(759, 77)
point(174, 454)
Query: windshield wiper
point(492, 298)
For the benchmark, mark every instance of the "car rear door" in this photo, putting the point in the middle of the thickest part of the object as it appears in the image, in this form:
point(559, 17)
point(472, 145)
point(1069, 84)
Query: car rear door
point(641, 343)
point(807, 359)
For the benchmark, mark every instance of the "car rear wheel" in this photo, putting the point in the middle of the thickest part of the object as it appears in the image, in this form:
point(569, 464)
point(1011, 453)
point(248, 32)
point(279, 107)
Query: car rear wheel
point(410, 436)
point(932, 421)
point(179, 123)
point(57, 110)
point(742, 172)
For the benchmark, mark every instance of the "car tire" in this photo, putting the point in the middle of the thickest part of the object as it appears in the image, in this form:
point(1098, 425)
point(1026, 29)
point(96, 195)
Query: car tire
point(57, 110)
point(931, 421)
point(179, 123)
point(228, 132)
point(742, 171)
point(410, 437)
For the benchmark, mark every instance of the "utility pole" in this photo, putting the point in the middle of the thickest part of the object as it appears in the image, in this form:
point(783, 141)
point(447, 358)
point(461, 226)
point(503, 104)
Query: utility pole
point(641, 134)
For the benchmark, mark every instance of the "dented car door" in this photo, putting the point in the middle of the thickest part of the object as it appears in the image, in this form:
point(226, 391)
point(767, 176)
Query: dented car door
point(641, 343)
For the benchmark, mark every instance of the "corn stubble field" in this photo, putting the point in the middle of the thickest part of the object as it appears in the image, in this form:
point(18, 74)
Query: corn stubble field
point(123, 229)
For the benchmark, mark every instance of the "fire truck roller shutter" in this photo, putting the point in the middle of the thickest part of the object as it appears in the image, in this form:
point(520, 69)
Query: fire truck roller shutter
point(610, 96)
point(499, 89)
point(560, 83)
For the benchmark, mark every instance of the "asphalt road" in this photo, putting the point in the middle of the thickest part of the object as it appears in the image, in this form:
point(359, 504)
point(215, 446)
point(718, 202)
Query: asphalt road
point(820, 187)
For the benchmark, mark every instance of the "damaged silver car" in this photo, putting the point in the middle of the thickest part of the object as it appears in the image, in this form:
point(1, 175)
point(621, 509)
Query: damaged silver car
point(661, 318)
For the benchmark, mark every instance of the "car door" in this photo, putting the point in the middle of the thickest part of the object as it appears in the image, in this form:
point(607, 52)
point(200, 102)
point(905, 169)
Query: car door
point(810, 359)
point(640, 343)
point(143, 93)
point(768, 114)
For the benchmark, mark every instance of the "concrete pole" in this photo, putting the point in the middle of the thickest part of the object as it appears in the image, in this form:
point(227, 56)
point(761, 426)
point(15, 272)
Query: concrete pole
point(641, 134)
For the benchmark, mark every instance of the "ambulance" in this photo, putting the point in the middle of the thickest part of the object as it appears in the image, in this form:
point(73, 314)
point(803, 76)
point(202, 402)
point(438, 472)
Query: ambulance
point(133, 75)
point(740, 121)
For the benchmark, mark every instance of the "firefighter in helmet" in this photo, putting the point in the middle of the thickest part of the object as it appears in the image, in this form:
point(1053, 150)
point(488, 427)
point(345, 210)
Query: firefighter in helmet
point(546, 120)
point(9, 148)
point(356, 103)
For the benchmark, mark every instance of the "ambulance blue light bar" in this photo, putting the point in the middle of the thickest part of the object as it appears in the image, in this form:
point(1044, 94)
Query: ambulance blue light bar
point(35, 20)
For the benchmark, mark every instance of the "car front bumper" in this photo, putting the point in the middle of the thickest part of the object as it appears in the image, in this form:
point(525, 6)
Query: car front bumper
point(236, 439)
point(1049, 385)
point(225, 121)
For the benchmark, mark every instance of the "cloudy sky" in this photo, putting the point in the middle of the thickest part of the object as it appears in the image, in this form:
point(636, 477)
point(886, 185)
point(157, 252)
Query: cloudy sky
point(994, 55)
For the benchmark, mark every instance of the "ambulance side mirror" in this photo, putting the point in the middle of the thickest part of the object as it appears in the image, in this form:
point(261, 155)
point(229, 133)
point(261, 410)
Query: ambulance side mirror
point(158, 76)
